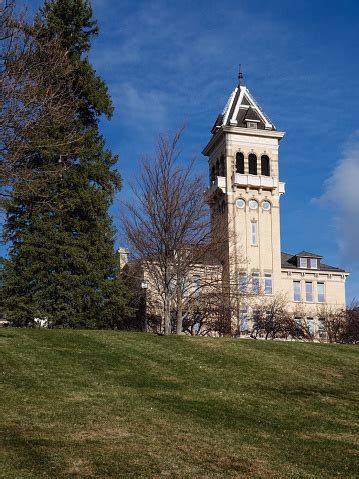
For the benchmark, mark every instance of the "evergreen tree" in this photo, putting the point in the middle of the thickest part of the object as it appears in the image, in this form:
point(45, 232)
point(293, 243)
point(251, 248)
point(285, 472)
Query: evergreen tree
point(62, 264)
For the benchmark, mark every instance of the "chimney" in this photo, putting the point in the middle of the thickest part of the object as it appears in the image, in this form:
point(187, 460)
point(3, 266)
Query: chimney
point(123, 254)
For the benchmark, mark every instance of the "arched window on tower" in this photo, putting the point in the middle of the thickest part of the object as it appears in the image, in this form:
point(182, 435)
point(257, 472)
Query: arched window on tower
point(252, 161)
point(222, 171)
point(213, 174)
point(240, 163)
point(265, 165)
point(217, 168)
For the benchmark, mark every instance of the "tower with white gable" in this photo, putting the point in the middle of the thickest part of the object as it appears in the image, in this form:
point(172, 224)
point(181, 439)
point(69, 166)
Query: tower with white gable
point(245, 187)
point(244, 194)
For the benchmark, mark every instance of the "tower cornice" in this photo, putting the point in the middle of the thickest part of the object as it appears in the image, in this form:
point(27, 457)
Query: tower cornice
point(240, 131)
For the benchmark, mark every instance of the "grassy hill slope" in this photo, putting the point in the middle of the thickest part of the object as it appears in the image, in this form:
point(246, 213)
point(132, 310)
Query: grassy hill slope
point(112, 404)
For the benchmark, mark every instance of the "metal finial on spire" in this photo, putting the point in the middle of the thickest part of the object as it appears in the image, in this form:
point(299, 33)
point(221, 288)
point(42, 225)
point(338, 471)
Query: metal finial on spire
point(240, 75)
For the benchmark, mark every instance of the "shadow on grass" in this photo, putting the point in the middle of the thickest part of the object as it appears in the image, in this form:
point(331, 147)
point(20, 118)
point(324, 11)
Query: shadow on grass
point(7, 335)
point(32, 455)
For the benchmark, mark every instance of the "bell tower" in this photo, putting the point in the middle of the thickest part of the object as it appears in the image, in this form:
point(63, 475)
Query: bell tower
point(245, 192)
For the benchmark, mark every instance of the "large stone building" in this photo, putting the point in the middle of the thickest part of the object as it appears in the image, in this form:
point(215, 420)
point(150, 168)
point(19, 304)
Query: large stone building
point(244, 195)
point(245, 186)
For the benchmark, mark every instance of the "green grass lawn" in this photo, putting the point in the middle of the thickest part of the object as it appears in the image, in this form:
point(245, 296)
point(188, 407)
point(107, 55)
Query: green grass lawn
point(113, 404)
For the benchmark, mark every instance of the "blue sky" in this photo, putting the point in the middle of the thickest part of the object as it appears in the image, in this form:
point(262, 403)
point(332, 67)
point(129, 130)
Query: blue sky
point(173, 62)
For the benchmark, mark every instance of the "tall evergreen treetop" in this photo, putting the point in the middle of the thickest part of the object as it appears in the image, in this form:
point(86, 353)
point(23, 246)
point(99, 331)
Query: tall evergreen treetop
point(62, 259)
point(71, 21)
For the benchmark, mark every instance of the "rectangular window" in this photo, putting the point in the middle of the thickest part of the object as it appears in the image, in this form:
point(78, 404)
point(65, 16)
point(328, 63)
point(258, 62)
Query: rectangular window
point(298, 326)
point(172, 285)
point(268, 283)
point(309, 291)
point(310, 326)
point(196, 328)
point(322, 329)
point(313, 263)
point(255, 318)
point(296, 291)
point(186, 287)
point(243, 319)
point(320, 288)
point(242, 283)
point(303, 262)
point(254, 238)
point(196, 286)
point(251, 124)
point(255, 283)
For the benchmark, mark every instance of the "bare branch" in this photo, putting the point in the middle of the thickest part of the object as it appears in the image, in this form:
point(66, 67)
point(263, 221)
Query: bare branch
point(37, 98)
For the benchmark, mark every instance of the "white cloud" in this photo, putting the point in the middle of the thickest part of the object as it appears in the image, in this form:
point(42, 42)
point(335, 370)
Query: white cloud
point(342, 194)
point(144, 112)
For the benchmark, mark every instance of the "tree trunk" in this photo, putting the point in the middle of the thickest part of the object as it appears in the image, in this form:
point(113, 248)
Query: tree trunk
point(167, 314)
point(179, 325)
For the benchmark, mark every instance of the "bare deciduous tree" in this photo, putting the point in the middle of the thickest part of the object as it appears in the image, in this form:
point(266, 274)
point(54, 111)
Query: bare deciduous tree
point(340, 324)
point(352, 330)
point(168, 224)
point(213, 311)
point(272, 319)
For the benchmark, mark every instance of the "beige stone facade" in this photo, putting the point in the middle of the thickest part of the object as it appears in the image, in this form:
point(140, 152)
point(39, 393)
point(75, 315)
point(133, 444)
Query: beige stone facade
point(245, 186)
point(245, 191)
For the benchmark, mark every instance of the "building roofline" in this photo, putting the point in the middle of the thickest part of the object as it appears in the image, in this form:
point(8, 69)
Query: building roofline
point(322, 267)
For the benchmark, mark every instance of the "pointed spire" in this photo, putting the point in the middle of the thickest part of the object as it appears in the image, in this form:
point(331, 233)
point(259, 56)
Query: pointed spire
point(240, 75)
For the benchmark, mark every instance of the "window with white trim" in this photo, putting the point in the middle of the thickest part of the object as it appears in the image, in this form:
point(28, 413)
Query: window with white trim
point(310, 326)
point(298, 326)
point(268, 283)
point(296, 291)
point(303, 263)
point(196, 285)
point(243, 318)
point(254, 234)
point(255, 283)
point(322, 329)
point(321, 294)
point(242, 283)
point(313, 263)
point(309, 291)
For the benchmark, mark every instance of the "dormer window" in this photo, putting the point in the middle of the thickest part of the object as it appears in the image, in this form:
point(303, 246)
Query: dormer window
point(252, 118)
point(306, 260)
point(303, 263)
point(313, 264)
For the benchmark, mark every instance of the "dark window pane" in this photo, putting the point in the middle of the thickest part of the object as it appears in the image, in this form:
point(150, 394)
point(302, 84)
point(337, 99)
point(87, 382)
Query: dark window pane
point(222, 167)
point(240, 163)
point(252, 160)
point(265, 165)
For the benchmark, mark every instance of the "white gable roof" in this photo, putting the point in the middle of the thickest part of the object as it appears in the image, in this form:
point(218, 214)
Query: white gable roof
point(240, 108)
